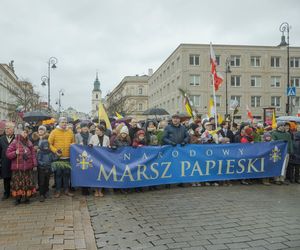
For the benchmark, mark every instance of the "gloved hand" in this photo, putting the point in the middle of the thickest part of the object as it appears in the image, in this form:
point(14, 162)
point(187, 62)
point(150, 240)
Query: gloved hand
point(182, 144)
point(90, 145)
point(114, 147)
point(174, 144)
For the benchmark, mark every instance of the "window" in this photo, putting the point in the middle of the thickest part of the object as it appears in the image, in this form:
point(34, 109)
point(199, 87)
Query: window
point(236, 98)
point(195, 99)
point(275, 61)
point(235, 81)
point(255, 81)
point(218, 59)
point(194, 60)
point(140, 91)
point(140, 106)
point(275, 101)
point(96, 96)
point(218, 100)
point(275, 81)
point(295, 62)
point(195, 80)
point(235, 61)
point(297, 101)
point(255, 101)
point(295, 82)
point(255, 61)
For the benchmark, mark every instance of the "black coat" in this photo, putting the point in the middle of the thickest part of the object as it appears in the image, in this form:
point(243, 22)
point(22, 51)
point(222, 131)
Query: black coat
point(5, 162)
point(229, 134)
point(295, 157)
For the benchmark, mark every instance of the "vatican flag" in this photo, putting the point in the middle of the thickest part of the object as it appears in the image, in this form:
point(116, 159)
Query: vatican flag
point(119, 116)
point(274, 124)
point(102, 115)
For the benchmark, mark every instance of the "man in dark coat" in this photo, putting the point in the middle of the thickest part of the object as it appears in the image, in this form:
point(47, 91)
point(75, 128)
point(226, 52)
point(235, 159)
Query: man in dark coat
point(225, 131)
point(175, 133)
point(5, 140)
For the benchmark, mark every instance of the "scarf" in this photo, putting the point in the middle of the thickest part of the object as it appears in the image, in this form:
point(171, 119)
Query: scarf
point(85, 138)
point(100, 138)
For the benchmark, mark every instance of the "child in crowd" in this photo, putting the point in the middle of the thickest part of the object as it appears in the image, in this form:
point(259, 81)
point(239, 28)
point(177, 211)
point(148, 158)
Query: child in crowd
point(45, 157)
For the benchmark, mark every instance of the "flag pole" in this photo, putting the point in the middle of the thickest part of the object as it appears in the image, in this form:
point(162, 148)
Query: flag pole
point(215, 102)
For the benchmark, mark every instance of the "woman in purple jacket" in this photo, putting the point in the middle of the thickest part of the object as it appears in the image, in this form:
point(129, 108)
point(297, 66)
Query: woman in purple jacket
point(23, 159)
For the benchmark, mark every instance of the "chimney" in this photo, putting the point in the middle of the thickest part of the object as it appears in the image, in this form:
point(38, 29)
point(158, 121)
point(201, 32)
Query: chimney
point(150, 72)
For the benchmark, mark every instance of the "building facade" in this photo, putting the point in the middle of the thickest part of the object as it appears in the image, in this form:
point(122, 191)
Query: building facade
point(15, 94)
point(129, 98)
point(257, 79)
point(96, 97)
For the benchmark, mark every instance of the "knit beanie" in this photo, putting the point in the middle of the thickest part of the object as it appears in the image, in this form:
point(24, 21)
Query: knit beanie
point(124, 130)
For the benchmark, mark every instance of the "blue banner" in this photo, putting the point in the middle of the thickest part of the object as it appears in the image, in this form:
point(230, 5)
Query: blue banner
point(128, 167)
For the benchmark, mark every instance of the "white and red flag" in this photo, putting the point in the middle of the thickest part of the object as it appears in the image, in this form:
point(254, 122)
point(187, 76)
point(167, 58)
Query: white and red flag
point(249, 113)
point(217, 79)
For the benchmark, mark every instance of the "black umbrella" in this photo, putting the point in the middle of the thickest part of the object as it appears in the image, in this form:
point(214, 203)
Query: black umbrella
point(155, 111)
point(36, 116)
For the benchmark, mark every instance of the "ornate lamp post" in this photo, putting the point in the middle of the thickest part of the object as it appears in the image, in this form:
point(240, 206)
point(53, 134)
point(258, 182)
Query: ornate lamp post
point(51, 64)
point(285, 28)
point(60, 94)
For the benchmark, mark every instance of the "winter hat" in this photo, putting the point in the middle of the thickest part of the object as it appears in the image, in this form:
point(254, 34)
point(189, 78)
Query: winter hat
point(175, 116)
point(266, 134)
point(248, 131)
point(44, 145)
point(83, 125)
point(140, 132)
point(280, 123)
point(124, 130)
point(42, 127)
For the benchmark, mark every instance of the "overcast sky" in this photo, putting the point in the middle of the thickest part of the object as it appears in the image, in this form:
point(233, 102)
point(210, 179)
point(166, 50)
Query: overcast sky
point(120, 38)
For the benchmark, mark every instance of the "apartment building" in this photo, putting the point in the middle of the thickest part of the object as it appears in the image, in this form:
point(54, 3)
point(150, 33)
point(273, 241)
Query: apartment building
point(257, 78)
point(130, 97)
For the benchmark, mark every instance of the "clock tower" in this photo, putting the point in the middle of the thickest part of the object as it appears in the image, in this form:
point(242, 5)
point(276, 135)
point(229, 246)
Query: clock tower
point(96, 97)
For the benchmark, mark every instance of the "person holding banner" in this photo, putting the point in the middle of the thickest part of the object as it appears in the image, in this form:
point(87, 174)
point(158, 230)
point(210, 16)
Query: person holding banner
point(99, 139)
point(175, 133)
point(83, 138)
point(281, 134)
point(122, 140)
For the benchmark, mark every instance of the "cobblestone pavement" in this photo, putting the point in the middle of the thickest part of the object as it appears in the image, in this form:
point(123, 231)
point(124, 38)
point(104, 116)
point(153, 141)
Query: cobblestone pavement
point(62, 223)
point(238, 217)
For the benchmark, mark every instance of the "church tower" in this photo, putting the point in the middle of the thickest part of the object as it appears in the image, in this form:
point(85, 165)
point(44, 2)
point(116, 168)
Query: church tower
point(96, 96)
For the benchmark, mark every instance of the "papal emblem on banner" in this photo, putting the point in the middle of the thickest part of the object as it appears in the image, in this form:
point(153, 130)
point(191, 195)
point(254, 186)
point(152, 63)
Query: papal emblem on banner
point(275, 155)
point(84, 161)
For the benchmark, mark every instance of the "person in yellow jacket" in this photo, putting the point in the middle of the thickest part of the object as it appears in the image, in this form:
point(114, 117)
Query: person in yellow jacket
point(60, 140)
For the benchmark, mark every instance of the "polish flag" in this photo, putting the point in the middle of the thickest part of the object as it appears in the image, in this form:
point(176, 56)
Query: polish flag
point(249, 113)
point(217, 80)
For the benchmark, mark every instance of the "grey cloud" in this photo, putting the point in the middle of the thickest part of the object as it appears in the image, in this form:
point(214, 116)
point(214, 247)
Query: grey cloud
point(121, 37)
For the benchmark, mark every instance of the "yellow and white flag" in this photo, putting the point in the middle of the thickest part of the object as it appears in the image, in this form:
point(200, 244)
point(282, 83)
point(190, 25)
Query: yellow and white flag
point(102, 115)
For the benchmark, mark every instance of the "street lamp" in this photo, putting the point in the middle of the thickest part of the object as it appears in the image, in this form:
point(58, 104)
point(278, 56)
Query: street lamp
point(51, 64)
point(227, 70)
point(285, 28)
point(60, 94)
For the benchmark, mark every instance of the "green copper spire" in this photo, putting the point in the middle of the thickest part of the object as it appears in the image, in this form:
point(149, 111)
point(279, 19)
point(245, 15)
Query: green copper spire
point(96, 84)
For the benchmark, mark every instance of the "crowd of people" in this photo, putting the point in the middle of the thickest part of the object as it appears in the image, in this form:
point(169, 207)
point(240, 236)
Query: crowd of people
point(29, 157)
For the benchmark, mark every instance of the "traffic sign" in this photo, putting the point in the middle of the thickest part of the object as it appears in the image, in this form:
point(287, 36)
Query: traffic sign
point(291, 91)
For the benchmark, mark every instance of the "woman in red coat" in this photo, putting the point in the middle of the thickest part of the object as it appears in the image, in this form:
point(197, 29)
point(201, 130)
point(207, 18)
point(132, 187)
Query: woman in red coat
point(23, 159)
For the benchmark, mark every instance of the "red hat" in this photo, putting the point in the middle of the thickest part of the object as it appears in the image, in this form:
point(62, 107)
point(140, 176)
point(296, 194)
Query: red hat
point(248, 131)
point(140, 132)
